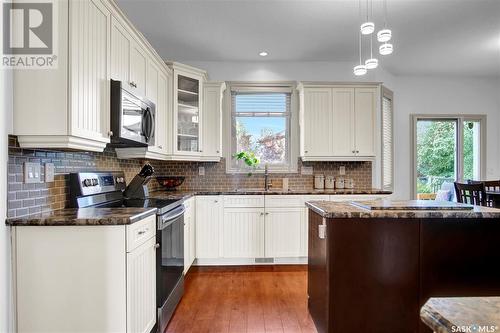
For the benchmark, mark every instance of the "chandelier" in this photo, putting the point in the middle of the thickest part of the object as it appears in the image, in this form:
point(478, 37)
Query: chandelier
point(367, 30)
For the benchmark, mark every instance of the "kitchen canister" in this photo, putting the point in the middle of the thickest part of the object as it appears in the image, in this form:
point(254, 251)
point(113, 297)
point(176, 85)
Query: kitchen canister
point(319, 182)
point(329, 182)
point(340, 183)
point(349, 183)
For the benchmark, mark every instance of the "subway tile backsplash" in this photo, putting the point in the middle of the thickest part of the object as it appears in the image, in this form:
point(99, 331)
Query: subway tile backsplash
point(24, 199)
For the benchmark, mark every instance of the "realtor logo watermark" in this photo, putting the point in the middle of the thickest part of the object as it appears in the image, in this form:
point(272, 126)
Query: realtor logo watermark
point(475, 328)
point(29, 34)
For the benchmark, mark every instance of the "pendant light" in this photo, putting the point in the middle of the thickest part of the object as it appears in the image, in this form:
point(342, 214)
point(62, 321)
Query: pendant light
point(368, 27)
point(386, 49)
point(385, 34)
point(371, 63)
point(360, 69)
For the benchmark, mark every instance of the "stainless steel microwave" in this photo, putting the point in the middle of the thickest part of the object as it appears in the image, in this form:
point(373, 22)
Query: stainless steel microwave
point(132, 118)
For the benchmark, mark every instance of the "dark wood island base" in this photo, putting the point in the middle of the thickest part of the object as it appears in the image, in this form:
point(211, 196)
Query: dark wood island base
point(373, 271)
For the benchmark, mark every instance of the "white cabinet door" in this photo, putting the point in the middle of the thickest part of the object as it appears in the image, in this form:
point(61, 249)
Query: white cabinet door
point(152, 82)
point(284, 232)
point(212, 121)
point(209, 215)
point(90, 30)
point(243, 234)
point(161, 129)
point(343, 122)
point(138, 69)
point(317, 122)
point(365, 120)
point(120, 52)
point(141, 288)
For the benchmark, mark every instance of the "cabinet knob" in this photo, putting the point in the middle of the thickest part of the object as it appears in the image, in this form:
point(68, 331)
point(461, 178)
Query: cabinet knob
point(353, 151)
point(261, 214)
point(217, 151)
point(357, 151)
point(267, 213)
point(161, 147)
point(110, 133)
point(133, 84)
point(306, 151)
point(216, 201)
point(157, 246)
point(201, 151)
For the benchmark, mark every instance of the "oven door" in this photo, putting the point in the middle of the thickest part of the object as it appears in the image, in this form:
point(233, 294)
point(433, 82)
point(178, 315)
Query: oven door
point(169, 263)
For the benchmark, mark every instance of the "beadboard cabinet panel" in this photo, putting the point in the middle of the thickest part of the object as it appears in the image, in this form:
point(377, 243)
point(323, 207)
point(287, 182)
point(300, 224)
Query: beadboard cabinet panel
point(120, 52)
point(365, 117)
point(343, 135)
point(138, 69)
point(211, 120)
point(243, 233)
point(141, 288)
point(209, 223)
point(317, 122)
point(283, 232)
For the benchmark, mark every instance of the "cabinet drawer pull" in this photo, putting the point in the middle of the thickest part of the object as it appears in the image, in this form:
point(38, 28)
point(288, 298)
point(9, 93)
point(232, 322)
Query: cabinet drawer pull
point(161, 147)
point(141, 232)
point(157, 246)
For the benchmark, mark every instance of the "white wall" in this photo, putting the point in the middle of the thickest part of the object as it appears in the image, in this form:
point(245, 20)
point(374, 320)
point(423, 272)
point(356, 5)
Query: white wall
point(412, 94)
point(6, 318)
point(432, 95)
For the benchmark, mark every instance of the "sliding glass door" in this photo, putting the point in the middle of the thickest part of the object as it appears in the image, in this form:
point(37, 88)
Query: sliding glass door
point(446, 149)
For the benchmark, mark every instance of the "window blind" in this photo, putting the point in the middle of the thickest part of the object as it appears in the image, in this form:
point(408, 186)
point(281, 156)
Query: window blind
point(261, 104)
point(387, 144)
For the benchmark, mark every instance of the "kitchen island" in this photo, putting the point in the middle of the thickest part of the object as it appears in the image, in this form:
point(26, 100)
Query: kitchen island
point(372, 265)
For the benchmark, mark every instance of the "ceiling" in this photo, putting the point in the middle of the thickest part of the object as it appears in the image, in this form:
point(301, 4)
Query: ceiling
point(431, 37)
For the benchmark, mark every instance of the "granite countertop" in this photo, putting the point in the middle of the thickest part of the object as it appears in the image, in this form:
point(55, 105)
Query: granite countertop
point(84, 216)
point(399, 209)
point(252, 191)
point(462, 314)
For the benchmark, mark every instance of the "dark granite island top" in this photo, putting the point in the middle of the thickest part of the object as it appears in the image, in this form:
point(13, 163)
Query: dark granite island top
point(411, 209)
point(84, 216)
point(462, 314)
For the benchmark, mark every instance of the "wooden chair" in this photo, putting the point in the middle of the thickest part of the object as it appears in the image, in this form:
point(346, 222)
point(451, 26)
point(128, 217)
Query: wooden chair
point(489, 185)
point(474, 194)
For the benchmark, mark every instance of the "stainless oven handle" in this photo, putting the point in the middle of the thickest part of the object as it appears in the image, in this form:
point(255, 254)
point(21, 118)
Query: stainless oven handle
point(166, 220)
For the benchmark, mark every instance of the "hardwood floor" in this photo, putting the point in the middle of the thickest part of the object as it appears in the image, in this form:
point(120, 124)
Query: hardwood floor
point(244, 299)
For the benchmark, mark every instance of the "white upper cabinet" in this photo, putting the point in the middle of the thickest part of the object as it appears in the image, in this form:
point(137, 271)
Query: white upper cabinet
point(138, 69)
point(343, 122)
point(317, 123)
point(68, 107)
point(212, 121)
point(187, 133)
point(338, 122)
point(365, 120)
point(120, 52)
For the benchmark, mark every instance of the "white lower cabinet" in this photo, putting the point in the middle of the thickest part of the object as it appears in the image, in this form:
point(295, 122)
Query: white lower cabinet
point(85, 278)
point(141, 288)
point(208, 231)
point(284, 232)
point(243, 233)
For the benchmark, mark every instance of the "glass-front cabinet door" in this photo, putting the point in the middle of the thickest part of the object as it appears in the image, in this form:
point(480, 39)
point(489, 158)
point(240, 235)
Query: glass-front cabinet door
point(188, 114)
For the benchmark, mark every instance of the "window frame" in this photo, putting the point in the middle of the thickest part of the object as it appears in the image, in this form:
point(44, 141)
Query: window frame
point(291, 134)
point(459, 119)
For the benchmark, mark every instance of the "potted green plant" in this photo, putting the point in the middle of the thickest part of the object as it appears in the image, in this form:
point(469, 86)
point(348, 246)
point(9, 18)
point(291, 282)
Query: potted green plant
point(249, 159)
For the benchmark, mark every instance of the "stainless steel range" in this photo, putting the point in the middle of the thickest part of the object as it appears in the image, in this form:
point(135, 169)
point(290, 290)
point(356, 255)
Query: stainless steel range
point(108, 189)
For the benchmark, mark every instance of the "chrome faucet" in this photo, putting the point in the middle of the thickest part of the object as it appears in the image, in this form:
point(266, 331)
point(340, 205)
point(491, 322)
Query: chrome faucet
point(267, 183)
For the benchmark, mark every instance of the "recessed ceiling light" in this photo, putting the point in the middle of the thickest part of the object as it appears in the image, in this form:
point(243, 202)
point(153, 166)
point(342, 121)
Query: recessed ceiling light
point(263, 54)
